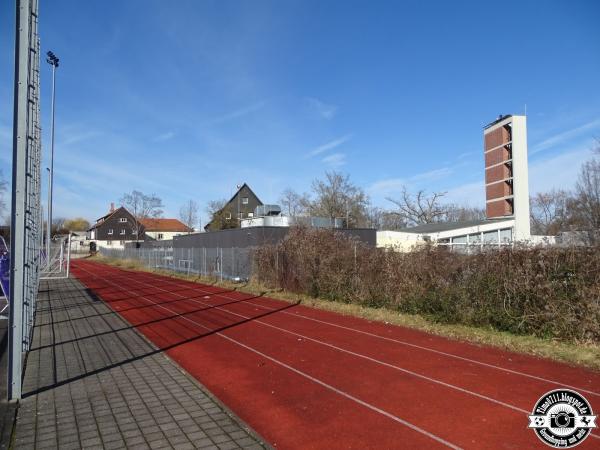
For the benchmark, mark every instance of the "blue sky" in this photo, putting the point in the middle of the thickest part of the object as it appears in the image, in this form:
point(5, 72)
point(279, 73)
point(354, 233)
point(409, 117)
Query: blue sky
point(187, 99)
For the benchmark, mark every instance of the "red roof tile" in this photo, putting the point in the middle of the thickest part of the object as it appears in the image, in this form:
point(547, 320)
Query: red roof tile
point(164, 225)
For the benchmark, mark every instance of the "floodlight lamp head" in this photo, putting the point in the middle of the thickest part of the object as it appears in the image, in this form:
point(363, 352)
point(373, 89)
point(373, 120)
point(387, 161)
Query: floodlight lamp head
point(52, 59)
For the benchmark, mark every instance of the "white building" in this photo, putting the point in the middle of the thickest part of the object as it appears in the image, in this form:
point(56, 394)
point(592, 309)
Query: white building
point(506, 193)
point(164, 229)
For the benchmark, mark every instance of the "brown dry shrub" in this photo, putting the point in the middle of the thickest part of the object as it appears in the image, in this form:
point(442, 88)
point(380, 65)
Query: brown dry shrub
point(546, 292)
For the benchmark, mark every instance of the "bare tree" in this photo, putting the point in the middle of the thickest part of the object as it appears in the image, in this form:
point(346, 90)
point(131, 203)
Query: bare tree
point(189, 214)
point(58, 226)
point(550, 212)
point(221, 216)
point(585, 213)
point(337, 197)
point(458, 213)
point(294, 204)
point(77, 224)
point(420, 208)
point(380, 219)
point(142, 206)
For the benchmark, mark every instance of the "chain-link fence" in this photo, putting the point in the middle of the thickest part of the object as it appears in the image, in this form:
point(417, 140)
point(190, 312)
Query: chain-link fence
point(230, 263)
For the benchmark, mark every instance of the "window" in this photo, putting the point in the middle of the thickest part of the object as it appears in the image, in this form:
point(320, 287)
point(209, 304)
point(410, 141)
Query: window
point(122, 242)
point(122, 230)
point(160, 236)
point(475, 238)
point(110, 231)
point(244, 200)
point(490, 237)
point(123, 219)
point(228, 216)
point(506, 235)
point(109, 243)
point(459, 240)
point(250, 214)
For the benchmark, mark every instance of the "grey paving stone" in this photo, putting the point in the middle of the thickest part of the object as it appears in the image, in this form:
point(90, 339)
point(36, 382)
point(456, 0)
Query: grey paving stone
point(92, 381)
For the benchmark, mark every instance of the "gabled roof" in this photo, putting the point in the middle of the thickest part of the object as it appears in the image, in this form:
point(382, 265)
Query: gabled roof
point(207, 226)
point(164, 225)
point(238, 191)
point(103, 219)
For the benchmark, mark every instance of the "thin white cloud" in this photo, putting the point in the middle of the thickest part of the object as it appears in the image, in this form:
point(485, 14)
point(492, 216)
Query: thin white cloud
point(236, 114)
point(468, 194)
point(324, 110)
point(464, 155)
point(564, 136)
point(335, 160)
point(431, 175)
point(395, 185)
point(164, 137)
point(70, 138)
point(330, 145)
point(558, 172)
point(387, 186)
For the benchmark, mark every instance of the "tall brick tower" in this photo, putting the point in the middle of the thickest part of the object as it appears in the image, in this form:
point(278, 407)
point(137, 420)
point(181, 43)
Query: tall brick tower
point(506, 172)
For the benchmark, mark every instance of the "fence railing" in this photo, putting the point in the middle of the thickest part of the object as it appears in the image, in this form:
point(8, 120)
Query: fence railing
point(230, 263)
point(26, 219)
point(57, 263)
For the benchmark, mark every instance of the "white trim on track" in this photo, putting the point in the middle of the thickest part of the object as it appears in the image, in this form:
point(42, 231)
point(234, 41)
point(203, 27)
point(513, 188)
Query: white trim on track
point(409, 344)
point(299, 372)
point(350, 352)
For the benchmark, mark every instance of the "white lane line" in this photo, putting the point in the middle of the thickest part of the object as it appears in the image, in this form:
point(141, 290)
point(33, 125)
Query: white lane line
point(516, 408)
point(350, 352)
point(299, 372)
point(398, 341)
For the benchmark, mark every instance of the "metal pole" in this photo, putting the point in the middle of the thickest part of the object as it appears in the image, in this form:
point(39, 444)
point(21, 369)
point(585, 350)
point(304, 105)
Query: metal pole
point(18, 204)
point(48, 220)
point(51, 180)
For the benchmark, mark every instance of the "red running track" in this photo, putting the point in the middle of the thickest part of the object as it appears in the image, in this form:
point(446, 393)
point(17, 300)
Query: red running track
point(305, 378)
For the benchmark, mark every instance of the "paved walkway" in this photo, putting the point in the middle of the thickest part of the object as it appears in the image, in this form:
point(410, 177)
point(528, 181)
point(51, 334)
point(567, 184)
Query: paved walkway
point(92, 381)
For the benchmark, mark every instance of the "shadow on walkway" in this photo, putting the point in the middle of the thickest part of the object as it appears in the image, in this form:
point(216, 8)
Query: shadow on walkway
point(92, 380)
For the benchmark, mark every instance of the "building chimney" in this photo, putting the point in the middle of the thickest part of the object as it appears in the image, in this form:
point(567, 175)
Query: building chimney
point(112, 207)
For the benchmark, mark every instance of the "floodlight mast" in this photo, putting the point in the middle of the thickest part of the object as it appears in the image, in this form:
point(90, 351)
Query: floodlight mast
point(53, 61)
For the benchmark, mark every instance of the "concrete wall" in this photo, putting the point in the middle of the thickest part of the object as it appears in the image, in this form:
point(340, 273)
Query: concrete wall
point(250, 237)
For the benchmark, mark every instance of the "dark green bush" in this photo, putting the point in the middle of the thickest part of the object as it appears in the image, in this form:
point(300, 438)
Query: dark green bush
point(547, 292)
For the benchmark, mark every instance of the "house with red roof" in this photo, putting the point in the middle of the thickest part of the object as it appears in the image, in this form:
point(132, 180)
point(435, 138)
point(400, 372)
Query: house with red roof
point(119, 226)
point(164, 229)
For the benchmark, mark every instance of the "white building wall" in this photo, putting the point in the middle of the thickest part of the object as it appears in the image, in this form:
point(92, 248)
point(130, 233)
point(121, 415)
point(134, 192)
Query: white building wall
point(520, 178)
point(485, 228)
point(399, 241)
point(109, 244)
point(165, 235)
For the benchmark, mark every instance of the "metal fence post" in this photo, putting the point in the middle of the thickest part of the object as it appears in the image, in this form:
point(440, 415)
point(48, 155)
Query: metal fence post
point(23, 274)
point(69, 257)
